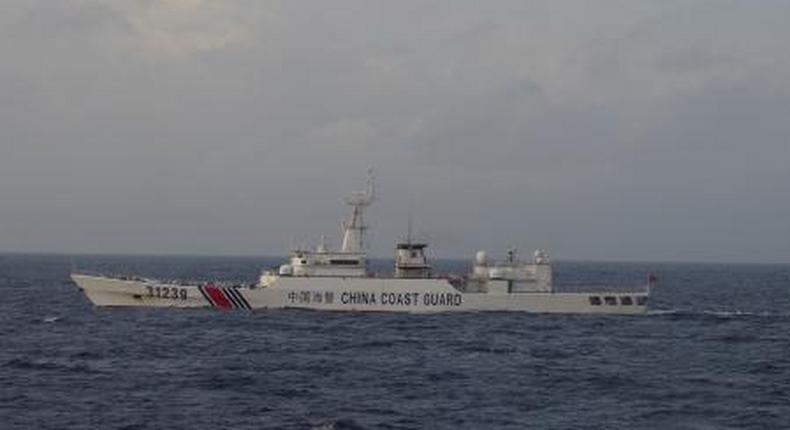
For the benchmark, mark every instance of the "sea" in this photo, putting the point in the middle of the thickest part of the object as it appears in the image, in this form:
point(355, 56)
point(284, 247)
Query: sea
point(712, 353)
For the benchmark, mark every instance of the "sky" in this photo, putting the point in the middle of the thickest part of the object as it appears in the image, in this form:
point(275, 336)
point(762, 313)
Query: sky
point(607, 130)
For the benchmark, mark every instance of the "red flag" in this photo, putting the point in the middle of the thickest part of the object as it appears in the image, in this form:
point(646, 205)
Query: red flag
point(651, 278)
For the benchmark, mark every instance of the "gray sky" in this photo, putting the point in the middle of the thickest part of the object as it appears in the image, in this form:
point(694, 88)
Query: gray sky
point(624, 130)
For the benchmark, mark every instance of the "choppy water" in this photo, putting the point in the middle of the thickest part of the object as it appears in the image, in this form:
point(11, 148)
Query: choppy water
point(713, 353)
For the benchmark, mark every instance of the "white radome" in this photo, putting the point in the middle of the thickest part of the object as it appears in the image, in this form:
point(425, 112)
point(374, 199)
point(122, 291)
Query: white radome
point(481, 259)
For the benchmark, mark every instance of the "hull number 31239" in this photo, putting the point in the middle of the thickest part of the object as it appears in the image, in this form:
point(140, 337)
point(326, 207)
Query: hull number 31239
point(167, 292)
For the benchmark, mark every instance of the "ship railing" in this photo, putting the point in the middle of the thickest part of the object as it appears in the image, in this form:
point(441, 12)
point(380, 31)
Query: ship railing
point(111, 275)
point(205, 282)
point(165, 281)
point(601, 288)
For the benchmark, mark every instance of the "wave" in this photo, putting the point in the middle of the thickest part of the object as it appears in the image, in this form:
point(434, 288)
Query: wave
point(341, 424)
point(27, 364)
point(660, 312)
point(736, 313)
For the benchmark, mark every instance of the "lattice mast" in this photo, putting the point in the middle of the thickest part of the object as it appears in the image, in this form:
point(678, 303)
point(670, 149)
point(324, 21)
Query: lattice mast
point(354, 227)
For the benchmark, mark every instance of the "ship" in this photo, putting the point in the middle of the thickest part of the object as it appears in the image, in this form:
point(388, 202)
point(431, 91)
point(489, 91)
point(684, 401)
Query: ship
point(325, 279)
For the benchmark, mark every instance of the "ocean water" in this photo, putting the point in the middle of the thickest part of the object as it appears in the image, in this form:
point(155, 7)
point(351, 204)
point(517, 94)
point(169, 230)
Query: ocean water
point(713, 353)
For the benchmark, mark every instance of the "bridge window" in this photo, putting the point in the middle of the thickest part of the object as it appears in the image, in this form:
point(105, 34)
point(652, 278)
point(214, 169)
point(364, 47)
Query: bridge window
point(595, 300)
point(344, 262)
point(610, 300)
point(641, 300)
point(626, 301)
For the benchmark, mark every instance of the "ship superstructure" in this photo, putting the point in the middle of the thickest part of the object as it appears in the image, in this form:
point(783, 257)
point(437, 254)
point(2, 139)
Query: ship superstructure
point(350, 260)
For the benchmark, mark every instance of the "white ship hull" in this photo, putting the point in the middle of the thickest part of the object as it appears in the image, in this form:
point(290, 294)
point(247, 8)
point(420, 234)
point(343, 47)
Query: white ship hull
point(354, 294)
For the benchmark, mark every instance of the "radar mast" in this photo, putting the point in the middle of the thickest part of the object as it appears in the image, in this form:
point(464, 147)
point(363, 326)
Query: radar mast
point(354, 227)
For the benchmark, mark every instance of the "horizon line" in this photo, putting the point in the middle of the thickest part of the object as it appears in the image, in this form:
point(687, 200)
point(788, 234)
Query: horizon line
point(230, 255)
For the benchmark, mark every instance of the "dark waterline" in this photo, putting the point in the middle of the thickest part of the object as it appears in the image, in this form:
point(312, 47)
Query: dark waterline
point(713, 353)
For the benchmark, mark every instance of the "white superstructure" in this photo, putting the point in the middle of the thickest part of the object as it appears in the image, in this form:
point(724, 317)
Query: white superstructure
point(350, 260)
point(338, 280)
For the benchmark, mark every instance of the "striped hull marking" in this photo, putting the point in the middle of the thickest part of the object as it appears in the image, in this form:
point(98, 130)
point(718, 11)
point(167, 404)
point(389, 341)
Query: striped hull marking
point(224, 297)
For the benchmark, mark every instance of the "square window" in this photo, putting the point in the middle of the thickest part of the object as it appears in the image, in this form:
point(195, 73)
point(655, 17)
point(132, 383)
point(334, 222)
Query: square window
point(610, 300)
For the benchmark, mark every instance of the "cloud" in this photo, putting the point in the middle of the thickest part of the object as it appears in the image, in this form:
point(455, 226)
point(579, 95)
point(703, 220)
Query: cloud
point(175, 29)
point(570, 124)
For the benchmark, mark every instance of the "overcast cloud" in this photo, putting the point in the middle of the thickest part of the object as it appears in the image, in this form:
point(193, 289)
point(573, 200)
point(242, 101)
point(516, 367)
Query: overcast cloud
point(624, 130)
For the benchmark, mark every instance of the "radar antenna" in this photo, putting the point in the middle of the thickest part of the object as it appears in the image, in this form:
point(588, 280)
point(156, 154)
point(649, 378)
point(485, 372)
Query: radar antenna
point(408, 227)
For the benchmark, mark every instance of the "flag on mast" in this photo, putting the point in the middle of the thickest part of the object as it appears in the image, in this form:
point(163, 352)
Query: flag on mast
point(651, 278)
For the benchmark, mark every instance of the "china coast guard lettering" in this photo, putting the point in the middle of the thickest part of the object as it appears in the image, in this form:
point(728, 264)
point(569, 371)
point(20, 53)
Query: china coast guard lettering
point(366, 298)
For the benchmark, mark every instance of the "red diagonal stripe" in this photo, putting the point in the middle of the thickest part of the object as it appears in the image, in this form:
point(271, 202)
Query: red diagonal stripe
point(218, 297)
